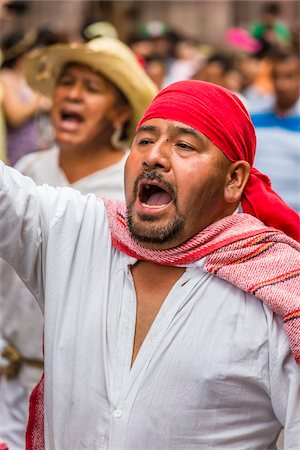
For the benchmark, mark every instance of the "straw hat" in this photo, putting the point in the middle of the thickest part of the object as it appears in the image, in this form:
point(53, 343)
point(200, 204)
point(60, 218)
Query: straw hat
point(108, 56)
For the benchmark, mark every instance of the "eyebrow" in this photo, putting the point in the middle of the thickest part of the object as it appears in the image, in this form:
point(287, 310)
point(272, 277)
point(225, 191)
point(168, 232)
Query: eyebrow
point(191, 131)
point(180, 130)
point(148, 128)
point(66, 71)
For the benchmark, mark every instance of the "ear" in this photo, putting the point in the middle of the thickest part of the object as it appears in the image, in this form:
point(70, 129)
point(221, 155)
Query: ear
point(123, 113)
point(236, 179)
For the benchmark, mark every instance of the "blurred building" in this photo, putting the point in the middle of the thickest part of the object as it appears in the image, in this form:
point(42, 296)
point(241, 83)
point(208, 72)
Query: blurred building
point(203, 20)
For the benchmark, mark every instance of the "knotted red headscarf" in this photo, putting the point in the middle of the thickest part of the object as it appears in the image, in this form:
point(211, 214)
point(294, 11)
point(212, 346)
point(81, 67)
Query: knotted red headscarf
point(221, 116)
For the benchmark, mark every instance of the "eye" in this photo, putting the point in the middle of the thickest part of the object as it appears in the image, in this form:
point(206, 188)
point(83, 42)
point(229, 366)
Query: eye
point(94, 88)
point(144, 141)
point(65, 81)
point(184, 146)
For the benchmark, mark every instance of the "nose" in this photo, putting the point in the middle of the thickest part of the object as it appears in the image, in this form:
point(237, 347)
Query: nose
point(74, 91)
point(158, 156)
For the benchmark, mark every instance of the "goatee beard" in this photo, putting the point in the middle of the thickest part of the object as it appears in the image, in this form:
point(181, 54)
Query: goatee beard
point(145, 230)
point(151, 233)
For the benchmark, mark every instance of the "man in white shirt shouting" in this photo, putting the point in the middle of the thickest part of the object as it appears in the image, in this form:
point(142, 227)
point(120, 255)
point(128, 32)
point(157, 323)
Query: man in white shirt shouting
point(173, 321)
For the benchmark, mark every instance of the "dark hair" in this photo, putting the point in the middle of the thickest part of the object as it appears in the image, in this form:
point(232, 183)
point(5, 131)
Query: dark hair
point(271, 8)
point(226, 61)
point(46, 36)
point(17, 44)
point(284, 55)
point(122, 100)
point(18, 7)
point(14, 46)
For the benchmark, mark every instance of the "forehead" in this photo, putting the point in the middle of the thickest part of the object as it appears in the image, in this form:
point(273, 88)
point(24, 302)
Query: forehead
point(172, 127)
point(76, 69)
point(290, 65)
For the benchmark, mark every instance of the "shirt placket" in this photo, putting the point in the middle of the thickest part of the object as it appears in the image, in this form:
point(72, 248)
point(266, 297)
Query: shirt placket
point(127, 380)
point(120, 411)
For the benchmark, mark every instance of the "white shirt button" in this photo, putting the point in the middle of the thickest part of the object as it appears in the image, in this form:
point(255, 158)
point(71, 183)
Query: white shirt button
point(117, 413)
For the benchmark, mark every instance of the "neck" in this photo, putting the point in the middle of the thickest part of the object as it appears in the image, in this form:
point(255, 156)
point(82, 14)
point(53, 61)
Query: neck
point(282, 110)
point(18, 68)
point(78, 162)
point(153, 271)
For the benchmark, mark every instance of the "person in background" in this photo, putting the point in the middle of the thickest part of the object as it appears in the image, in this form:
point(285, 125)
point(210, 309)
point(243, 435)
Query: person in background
point(257, 85)
point(99, 92)
point(187, 59)
point(162, 37)
point(250, 72)
point(90, 84)
point(278, 130)
point(219, 69)
point(214, 69)
point(2, 124)
point(270, 30)
point(3, 445)
point(22, 107)
point(155, 41)
point(156, 69)
point(171, 321)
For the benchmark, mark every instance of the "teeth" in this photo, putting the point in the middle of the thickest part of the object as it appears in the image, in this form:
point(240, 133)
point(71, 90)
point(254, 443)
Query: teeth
point(154, 206)
point(147, 186)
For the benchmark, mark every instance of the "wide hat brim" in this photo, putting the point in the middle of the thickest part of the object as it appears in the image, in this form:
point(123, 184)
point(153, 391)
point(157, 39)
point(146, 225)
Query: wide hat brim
point(107, 56)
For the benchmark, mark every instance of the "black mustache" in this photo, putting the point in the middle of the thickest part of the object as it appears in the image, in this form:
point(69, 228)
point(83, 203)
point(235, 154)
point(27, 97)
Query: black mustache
point(153, 175)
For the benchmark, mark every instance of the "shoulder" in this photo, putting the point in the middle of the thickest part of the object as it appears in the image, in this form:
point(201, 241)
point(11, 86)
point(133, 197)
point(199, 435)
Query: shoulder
point(277, 338)
point(7, 76)
point(35, 160)
point(9, 81)
point(269, 120)
point(76, 221)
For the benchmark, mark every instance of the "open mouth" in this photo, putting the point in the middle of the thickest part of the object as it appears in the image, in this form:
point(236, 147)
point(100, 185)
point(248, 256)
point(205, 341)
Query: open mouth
point(71, 116)
point(154, 196)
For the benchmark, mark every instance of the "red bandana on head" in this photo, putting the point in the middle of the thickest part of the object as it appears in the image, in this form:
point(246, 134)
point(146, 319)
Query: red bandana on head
point(222, 117)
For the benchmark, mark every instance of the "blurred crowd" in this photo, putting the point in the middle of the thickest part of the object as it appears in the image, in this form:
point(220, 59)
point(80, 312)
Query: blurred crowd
point(259, 63)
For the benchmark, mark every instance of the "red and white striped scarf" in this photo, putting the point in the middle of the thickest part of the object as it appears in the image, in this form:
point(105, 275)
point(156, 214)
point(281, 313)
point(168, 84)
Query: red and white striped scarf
point(239, 249)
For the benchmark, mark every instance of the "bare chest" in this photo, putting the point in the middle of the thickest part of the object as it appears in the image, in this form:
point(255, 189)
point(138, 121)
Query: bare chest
point(151, 291)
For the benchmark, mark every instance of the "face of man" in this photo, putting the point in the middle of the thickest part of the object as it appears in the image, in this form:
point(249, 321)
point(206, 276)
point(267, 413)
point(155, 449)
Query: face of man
point(84, 107)
point(213, 72)
point(174, 183)
point(286, 77)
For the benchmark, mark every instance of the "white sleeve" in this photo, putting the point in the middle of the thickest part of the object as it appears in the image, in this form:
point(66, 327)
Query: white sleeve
point(25, 212)
point(285, 386)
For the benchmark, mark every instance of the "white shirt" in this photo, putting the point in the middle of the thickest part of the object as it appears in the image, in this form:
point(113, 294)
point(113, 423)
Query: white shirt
point(214, 371)
point(278, 151)
point(43, 167)
point(21, 321)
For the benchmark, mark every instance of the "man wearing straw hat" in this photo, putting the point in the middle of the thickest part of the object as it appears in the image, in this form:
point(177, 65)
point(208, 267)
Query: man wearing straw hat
point(99, 93)
point(171, 321)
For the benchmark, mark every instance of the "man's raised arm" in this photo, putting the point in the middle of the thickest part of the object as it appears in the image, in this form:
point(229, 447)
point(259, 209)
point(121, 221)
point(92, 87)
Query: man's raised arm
point(22, 224)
